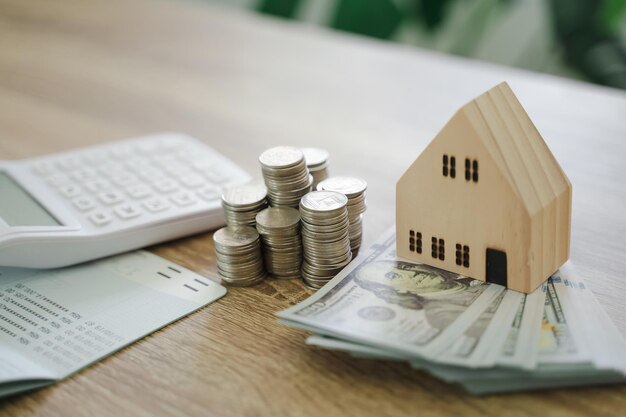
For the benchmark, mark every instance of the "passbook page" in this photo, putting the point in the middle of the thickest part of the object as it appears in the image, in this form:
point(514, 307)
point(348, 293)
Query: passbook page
point(55, 322)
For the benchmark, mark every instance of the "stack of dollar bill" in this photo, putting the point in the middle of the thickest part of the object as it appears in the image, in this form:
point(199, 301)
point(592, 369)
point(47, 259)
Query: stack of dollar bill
point(482, 336)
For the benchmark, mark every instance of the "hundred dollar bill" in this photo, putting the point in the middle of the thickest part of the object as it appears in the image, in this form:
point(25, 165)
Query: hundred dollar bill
point(519, 348)
point(382, 301)
point(578, 345)
point(480, 343)
point(486, 381)
point(574, 344)
point(604, 344)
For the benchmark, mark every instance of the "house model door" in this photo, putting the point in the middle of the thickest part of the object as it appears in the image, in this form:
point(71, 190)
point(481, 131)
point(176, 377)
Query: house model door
point(495, 267)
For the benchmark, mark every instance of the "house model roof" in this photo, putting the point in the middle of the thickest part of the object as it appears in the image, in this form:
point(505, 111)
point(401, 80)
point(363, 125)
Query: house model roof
point(516, 146)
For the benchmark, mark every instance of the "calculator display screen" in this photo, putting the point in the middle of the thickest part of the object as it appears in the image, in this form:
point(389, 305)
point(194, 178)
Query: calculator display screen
point(18, 208)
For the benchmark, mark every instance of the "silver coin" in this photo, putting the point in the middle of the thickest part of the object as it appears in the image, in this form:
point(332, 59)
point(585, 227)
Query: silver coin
point(250, 194)
point(350, 186)
point(281, 157)
point(315, 157)
point(244, 282)
point(228, 258)
point(278, 172)
point(323, 201)
point(319, 175)
point(234, 237)
point(278, 218)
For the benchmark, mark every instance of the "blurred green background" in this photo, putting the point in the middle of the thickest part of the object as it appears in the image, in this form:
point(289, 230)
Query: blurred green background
point(582, 39)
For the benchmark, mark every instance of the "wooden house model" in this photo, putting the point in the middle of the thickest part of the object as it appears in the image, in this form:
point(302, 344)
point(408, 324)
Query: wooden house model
point(486, 198)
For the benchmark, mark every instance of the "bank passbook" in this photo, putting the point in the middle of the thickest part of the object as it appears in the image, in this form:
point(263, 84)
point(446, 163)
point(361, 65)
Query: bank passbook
point(56, 322)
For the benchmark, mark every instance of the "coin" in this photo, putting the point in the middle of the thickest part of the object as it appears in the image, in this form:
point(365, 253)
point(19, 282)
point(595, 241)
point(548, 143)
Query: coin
point(241, 203)
point(323, 202)
point(349, 186)
point(285, 175)
point(277, 218)
point(325, 236)
point(354, 189)
point(317, 164)
point(279, 228)
point(281, 157)
point(250, 194)
point(235, 237)
point(315, 157)
point(238, 255)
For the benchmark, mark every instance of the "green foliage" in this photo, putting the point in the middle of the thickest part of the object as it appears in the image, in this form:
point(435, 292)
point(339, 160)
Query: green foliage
point(281, 8)
point(612, 14)
point(376, 18)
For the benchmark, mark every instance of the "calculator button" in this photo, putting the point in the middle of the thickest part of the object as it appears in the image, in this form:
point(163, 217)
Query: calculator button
point(83, 203)
point(82, 175)
point(151, 174)
point(126, 211)
point(95, 158)
point(192, 180)
point(124, 179)
point(172, 164)
point(191, 153)
point(203, 165)
point(155, 204)
point(209, 193)
point(164, 159)
point(165, 185)
point(97, 185)
point(110, 197)
point(111, 168)
point(137, 164)
point(70, 190)
point(68, 163)
point(183, 199)
point(43, 167)
point(138, 191)
point(57, 180)
point(216, 176)
point(100, 218)
point(179, 172)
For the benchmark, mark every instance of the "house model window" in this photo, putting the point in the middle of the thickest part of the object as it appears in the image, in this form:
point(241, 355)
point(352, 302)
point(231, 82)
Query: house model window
point(511, 203)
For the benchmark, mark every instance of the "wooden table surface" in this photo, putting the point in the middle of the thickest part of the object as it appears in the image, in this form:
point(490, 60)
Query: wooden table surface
point(75, 73)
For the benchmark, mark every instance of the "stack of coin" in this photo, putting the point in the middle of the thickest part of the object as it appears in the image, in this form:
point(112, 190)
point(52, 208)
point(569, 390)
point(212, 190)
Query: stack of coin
point(317, 163)
point(238, 253)
point(353, 188)
point(324, 236)
point(279, 228)
point(286, 176)
point(242, 203)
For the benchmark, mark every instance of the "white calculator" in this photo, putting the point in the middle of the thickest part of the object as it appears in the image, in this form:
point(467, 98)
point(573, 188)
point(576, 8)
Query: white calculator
point(76, 206)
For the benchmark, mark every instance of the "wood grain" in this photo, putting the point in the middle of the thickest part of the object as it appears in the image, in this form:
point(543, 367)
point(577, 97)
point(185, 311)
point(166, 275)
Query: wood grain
point(74, 73)
point(487, 181)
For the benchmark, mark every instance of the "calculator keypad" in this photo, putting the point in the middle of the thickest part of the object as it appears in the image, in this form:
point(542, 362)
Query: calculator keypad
point(135, 180)
point(100, 218)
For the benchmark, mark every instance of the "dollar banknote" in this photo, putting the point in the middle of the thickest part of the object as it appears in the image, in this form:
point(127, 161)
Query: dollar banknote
point(522, 337)
point(479, 345)
point(557, 336)
point(411, 309)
